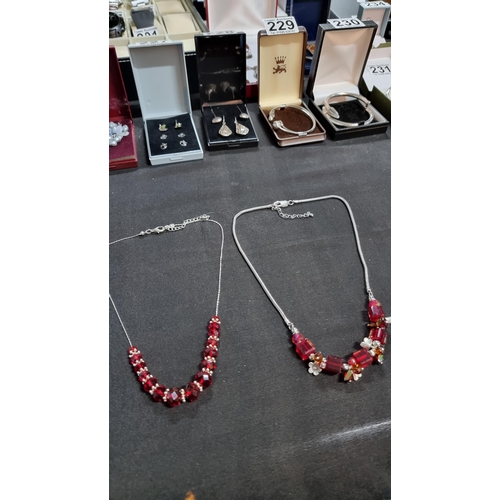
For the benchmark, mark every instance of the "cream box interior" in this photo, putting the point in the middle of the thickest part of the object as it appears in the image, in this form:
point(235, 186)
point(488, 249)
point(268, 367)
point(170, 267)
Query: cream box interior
point(242, 15)
point(281, 82)
point(174, 20)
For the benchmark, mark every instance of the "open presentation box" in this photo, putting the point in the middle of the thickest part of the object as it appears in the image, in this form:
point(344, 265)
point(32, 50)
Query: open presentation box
point(377, 78)
point(281, 85)
point(124, 154)
point(246, 16)
point(160, 74)
point(339, 61)
point(175, 20)
point(222, 87)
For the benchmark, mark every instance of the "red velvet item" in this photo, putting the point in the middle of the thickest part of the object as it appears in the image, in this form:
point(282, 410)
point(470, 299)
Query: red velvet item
point(124, 155)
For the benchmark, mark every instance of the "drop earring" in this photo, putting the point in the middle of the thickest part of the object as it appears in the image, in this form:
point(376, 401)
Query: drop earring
point(225, 131)
point(243, 116)
point(215, 119)
point(241, 129)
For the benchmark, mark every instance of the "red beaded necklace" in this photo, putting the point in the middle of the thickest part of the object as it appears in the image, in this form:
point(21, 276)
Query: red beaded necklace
point(372, 347)
point(203, 379)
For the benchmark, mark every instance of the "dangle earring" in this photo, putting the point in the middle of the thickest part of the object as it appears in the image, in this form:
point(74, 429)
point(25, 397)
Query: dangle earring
point(215, 119)
point(243, 116)
point(241, 129)
point(225, 131)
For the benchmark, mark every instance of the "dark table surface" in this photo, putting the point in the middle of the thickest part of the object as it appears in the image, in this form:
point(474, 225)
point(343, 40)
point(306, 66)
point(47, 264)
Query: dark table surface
point(266, 429)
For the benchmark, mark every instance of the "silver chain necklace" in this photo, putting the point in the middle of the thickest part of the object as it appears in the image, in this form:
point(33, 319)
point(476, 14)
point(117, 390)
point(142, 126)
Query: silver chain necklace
point(203, 379)
point(372, 347)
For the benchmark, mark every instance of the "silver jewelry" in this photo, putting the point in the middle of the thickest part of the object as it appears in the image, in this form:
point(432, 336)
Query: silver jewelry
point(278, 124)
point(162, 127)
point(177, 124)
point(254, 69)
point(163, 137)
point(224, 86)
point(182, 134)
point(211, 89)
point(215, 119)
point(183, 143)
point(117, 132)
point(174, 396)
point(241, 129)
point(225, 131)
point(163, 145)
point(372, 348)
point(232, 89)
point(248, 52)
point(244, 116)
point(333, 115)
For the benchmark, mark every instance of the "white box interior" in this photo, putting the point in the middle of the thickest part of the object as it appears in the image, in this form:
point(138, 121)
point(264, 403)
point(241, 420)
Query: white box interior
point(160, 77)
point(340, 61)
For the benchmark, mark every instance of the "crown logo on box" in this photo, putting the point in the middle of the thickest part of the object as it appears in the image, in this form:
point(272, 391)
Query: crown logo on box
point(280, 65)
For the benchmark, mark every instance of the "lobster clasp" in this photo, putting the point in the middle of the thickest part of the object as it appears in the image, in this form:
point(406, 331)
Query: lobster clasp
point(282, 204)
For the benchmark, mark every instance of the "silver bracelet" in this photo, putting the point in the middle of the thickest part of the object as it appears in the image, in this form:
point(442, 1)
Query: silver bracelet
point(278, 124)
point(333, 115)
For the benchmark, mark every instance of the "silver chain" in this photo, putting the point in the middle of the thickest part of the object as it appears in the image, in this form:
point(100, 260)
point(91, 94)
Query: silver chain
point(175, 227)
point(277, 206)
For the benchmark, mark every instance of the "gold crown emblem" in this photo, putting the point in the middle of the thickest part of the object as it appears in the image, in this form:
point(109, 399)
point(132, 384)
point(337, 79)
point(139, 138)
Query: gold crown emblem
point(280, 59)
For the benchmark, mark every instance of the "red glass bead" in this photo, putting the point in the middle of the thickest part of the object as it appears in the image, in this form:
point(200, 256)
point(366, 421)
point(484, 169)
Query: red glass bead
point(213, 327)
point(158, 393)
point(362, 358)
point(333, 364)
point(215, 319)
point(214, 333)
point(204, 379)
point(304, 349)
point(174, 397)
point(211, 343)
point(139, 366)
point(210, 352)
point(375, 311)
point(297, 337)
point(191, 392)
point(143, 376)
point(135, 357)
point(150, 383)
point(211, 365)
point(379, 334)
point(132, 349)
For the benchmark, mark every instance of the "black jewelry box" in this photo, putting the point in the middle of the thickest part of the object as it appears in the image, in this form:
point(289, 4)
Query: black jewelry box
point(221, 62)
point(339, 61)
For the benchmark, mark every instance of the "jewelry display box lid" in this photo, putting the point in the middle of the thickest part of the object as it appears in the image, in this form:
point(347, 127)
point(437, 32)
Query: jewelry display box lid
point(281, 80)
point(123, 155)
point(246, 16)
point(222, 88)
point(377, 78)
point(339, 61)
point(159, 70)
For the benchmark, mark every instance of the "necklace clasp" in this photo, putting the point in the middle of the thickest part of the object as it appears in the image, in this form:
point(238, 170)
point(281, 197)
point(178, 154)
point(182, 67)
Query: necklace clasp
point(282, 204)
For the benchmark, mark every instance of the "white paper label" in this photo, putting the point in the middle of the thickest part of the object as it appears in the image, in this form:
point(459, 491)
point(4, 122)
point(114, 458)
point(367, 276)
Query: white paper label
point(347, 22)
point(379, 69)
point(374, 5)
point(151, 31)
point(281, 25)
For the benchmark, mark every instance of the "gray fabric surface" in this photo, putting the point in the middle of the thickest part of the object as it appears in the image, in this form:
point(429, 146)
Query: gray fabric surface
point(266, 429)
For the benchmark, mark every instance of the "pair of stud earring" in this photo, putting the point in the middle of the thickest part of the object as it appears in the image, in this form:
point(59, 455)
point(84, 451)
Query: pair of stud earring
point(164, 145)
point(163, 128)
point(225, 131)
point(218, 119)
